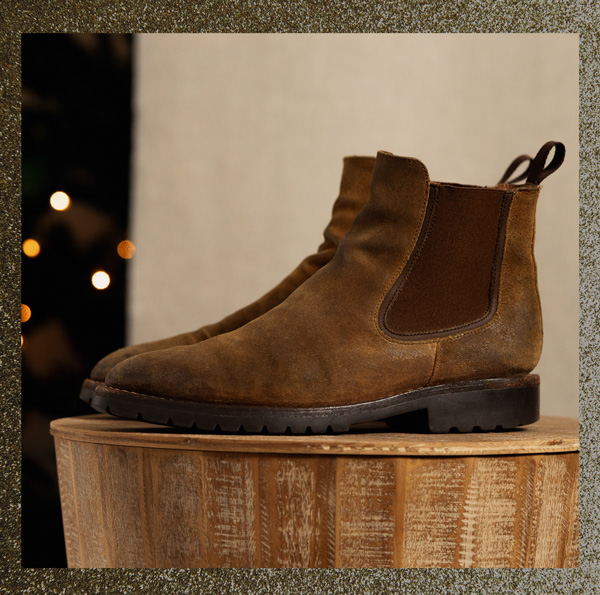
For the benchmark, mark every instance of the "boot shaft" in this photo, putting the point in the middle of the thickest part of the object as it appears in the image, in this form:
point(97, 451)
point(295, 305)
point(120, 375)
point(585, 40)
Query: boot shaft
point(355, 184)
point(451, 265)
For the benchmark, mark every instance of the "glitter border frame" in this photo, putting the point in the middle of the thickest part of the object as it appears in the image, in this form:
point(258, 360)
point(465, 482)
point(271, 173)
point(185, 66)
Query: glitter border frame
point(339, 16)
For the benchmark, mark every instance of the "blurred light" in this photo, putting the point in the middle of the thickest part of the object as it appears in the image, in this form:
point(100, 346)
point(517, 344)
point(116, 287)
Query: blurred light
point(100, 280)
point(126, 249)
point(25, 312)
point(60, 201)
point(22, 340)
point(31, 248)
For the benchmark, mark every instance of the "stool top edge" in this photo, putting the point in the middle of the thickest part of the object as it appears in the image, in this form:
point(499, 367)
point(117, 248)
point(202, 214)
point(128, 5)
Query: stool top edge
point(549, 435)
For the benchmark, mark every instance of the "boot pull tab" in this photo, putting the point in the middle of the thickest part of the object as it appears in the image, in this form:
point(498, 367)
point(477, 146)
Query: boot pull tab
point(537, 171)
point(510, 170)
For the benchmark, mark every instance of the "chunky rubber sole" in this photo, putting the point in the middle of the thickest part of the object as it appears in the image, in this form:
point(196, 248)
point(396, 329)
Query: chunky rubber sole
point(491, 404)
point(87, 389)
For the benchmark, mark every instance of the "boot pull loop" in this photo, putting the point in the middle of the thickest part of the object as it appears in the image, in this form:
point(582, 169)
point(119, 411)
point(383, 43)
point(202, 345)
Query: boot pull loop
point(510, 170)
point(537, 171)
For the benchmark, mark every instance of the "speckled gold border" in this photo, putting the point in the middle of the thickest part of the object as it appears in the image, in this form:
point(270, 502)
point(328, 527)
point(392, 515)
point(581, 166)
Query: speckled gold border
point(489, 16)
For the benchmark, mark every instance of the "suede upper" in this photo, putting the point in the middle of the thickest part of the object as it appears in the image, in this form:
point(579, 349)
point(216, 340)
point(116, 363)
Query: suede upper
point(324, 345)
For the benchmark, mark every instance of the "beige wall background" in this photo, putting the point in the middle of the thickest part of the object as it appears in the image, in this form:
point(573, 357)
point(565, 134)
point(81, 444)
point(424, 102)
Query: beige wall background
point(239, 142)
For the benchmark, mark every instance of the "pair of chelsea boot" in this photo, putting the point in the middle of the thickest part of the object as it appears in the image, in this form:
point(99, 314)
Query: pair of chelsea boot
point(420, 304)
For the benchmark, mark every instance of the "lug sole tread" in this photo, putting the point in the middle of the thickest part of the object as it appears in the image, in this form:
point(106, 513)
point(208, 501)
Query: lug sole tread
point(473, 406)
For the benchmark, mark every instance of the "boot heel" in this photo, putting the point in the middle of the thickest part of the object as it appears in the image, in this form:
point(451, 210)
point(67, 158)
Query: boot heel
point(476, 406)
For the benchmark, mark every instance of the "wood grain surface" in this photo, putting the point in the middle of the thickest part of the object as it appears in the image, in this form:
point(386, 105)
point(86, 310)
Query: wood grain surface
point(550, 434)
point(373, 499)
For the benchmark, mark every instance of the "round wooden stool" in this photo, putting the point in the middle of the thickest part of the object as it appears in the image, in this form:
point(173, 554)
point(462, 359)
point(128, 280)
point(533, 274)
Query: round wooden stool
point(140, 495)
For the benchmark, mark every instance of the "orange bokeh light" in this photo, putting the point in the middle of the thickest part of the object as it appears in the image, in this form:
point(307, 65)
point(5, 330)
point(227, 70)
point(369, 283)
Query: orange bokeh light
point(25, 312)
point(126, 249)
point(31, 248)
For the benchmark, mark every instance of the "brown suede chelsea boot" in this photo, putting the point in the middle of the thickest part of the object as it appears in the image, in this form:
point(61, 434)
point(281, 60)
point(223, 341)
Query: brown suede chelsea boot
point(429, 305)
point(354, 193)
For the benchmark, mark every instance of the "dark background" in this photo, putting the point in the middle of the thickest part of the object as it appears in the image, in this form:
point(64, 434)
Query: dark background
point(76, 122)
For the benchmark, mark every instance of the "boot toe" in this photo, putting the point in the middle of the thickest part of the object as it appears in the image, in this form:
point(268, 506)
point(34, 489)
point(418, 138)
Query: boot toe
point(132, 374)
point(158, 373)
point(102, 368)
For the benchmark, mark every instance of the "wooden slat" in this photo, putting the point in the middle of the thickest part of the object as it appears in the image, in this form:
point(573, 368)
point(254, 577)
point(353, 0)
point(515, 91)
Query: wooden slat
point(121, 502)
point(571, 559)
point(230, 500)
point(297, 496)
point(433, 506)
point(172, 507)
point(553, 515)
point(489, 512)
point(95, 542)
point(366, 512)
point(68, 485)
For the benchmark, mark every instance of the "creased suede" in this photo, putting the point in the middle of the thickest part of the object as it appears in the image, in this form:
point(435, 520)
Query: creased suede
point(354, 192)
point(323, 345)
